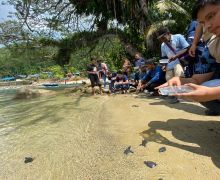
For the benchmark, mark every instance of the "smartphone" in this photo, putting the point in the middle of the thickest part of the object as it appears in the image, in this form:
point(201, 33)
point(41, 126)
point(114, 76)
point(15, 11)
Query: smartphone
point(172, 90)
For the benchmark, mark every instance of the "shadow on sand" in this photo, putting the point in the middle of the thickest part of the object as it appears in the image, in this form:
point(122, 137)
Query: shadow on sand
point(206, 134)
point(191, 108)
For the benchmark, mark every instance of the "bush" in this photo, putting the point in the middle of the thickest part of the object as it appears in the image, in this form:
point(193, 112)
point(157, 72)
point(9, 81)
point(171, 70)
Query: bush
point(57, 71)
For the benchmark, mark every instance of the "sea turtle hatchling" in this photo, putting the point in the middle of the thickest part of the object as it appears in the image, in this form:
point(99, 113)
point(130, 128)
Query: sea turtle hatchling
point(128, 150)
point(143, 143)
point(28, 160)
point(150, 164)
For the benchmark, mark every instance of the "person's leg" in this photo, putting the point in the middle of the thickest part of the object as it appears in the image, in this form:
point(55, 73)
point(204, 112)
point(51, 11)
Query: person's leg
point(118, 87)
point(178, 71)
point(151, 89)
point(92, 81)
point(213, 107)
point(111, 86)
point(100, 89)
point(104, 80)
point(93, 91)
point(125, 87)
point(169, 74)
point(98, 83)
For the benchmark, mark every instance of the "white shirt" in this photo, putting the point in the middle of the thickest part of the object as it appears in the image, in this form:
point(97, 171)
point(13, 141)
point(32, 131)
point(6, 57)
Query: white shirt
point(178, 42)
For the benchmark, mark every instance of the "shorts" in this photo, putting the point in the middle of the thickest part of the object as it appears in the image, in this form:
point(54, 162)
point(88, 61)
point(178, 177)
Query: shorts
point(176, 72)
point(94, 79)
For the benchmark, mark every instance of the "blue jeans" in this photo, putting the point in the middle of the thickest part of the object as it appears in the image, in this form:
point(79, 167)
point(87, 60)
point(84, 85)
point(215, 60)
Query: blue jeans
point(214, 105)
point(112, 86)
point(122, 86)
point(104, 80)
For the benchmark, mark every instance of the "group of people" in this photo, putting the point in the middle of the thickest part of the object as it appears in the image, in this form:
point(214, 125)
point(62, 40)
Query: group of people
point(205, 84)
point(193, 61)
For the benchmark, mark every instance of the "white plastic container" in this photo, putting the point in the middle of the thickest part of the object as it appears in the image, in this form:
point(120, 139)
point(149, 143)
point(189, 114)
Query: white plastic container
point(172, 90)
point(163, 61)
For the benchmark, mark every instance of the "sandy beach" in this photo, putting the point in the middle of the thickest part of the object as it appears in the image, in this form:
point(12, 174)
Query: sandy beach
point(91, 144)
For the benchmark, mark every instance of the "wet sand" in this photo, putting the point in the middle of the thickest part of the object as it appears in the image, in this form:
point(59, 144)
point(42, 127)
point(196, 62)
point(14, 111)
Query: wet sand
point(85, 137)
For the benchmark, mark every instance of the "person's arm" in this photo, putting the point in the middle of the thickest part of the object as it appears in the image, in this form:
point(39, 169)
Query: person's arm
point(144, 78)
point(201, 93)
point(195, 79)
point(184, 46)
point(156, 76)
point(197, 37)
point(178, 55)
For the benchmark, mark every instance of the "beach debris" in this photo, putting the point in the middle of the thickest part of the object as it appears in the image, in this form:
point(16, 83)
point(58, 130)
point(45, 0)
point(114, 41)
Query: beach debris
point(162, 149)
point(128, 150)
point(150, 164)
point(135, 106)
point(143, 143)
point(28, 160)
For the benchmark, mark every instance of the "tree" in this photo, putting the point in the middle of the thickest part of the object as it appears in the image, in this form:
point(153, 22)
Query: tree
point(138, 19)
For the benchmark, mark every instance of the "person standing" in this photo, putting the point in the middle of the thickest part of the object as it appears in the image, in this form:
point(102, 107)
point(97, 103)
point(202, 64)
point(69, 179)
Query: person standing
point(102, 69)
point(172, 46)
point(138, 63)
point(93, 75)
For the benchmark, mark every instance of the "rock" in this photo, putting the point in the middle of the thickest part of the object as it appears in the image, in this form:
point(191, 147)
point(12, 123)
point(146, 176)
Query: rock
point(26, 93)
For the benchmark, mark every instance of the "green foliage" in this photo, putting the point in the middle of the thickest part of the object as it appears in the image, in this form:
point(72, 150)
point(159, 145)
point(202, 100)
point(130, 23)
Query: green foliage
point(25, 59)
point(44, 76)
point(57, 71)
point(109, 49)
point(139, 21)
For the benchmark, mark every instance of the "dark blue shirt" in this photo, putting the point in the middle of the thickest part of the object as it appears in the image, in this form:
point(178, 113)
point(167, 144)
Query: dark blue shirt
point(155, 75)
point(192, 28)
point(122, 78)
point(112, 77)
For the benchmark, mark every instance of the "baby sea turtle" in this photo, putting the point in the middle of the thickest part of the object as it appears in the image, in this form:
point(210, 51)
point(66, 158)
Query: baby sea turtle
point(128, 150)
point(135, 106)
point(150, 164)
point(162, 149)
point(143, 143)
point(28, 159)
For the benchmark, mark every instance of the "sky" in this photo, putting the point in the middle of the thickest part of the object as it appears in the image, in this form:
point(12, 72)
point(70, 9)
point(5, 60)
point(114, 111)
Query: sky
point(4, 11)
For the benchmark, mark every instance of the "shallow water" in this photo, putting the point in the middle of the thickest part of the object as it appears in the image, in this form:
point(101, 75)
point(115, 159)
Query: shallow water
point(69, 137)
point(84, 137)
point(49, 129)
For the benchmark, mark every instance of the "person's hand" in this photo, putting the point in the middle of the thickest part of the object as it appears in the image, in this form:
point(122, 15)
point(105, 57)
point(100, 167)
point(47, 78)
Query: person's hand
point(175, 81)
point(199, 93)
point(147, 84)
point(192, 50)
point(164, 68)
point(173, 58)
